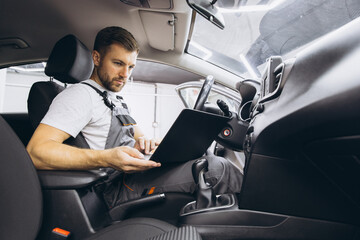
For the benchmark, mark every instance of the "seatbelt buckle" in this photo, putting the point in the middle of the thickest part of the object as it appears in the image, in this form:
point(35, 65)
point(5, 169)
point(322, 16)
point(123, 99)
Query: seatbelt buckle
point(148, 192)
point(60, 234)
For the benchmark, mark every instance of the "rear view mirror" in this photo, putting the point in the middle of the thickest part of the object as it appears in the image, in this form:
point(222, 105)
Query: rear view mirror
point(207, 9)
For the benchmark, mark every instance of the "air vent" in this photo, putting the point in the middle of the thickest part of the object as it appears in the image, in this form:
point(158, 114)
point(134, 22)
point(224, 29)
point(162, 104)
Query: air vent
point(278, 72)
point(275, 77)
point(271, 85)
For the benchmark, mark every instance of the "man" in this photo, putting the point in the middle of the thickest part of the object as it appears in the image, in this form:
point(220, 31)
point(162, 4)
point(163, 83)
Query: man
point(94, 108)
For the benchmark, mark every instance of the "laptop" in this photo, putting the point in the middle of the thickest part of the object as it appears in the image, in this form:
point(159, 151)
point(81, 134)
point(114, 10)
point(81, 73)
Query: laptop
point(189, 137)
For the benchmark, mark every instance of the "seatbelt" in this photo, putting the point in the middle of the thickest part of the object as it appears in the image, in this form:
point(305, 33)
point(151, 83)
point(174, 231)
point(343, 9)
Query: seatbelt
point(125, 120)
point(104, 95)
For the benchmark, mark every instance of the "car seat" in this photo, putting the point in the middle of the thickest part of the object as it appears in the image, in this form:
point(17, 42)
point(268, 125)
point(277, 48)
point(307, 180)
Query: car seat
point(21, 201)
point(69, 62)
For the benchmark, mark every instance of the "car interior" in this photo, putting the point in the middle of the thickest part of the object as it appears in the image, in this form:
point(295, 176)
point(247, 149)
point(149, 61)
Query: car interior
point(297, 122)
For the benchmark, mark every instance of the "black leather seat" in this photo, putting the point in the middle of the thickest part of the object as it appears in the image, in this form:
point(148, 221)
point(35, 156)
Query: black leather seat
point(69, 62)
point(21, 201)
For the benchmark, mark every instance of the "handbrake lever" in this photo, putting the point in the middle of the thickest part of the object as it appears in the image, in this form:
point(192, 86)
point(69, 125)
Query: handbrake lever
point(120, 211)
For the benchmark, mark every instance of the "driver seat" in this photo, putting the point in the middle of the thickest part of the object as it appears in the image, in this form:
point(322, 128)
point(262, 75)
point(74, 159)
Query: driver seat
point(70, 62)
point(21, 203)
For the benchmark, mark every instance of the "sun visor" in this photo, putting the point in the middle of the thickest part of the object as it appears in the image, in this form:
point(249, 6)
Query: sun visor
point(159, 29)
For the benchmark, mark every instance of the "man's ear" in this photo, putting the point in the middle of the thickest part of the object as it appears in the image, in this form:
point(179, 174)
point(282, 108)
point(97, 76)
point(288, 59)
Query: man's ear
point(96, 57)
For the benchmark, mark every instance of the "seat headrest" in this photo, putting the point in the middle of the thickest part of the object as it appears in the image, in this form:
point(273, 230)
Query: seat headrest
point(70, 61)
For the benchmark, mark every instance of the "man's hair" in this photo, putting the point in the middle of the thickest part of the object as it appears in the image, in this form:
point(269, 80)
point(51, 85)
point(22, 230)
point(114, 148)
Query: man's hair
point(110, 35)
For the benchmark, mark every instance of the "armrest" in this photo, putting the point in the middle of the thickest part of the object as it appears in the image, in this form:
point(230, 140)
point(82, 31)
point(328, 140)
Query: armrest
point(51, 179)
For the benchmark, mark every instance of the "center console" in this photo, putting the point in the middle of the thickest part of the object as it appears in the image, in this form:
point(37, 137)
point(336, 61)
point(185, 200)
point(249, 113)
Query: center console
point(221, 217)
point(210, 211)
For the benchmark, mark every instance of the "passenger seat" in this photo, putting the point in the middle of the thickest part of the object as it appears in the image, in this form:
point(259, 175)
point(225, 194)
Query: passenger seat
point(21, 203)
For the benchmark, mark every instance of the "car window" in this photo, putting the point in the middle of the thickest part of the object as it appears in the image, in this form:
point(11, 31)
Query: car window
point(154, 106)
point(15, 84)
point(189, 92)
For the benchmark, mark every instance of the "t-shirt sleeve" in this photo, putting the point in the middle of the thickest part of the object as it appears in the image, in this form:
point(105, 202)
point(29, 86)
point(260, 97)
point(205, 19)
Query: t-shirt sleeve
point(70, 111)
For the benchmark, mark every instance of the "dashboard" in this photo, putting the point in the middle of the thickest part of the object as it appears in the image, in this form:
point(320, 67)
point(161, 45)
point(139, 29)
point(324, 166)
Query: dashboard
point(304, 132)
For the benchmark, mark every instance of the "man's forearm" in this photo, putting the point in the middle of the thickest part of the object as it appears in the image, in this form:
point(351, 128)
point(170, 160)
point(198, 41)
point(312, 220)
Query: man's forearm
point(47, 151)
point(57, 156)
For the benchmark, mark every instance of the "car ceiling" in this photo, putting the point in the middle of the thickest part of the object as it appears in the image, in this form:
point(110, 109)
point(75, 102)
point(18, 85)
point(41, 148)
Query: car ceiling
point(39, 24)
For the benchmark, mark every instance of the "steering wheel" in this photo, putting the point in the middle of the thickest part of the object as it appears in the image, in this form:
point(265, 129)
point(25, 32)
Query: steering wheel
point(204, 93)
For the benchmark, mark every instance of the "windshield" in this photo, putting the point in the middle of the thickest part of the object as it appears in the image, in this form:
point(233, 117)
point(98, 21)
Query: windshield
point(257, 29)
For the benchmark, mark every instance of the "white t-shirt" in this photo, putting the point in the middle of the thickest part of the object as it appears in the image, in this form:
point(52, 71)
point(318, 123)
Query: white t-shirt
point(80, 108)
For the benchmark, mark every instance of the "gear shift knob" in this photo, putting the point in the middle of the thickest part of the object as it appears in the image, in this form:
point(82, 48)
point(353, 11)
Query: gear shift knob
point(197, 167)
point(205, 196)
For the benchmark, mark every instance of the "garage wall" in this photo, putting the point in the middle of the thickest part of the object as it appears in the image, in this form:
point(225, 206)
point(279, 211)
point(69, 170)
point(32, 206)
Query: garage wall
point(153, 106)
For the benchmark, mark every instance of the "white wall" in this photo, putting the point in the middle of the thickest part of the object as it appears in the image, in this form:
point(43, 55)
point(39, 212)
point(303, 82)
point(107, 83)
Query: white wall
point(16, 91)
point(140, 97)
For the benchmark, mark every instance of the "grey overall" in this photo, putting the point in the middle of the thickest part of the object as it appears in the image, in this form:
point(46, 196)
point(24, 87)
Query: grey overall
point(121, 187)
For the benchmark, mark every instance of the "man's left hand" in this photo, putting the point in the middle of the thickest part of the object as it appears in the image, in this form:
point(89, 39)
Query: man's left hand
point(145, 145)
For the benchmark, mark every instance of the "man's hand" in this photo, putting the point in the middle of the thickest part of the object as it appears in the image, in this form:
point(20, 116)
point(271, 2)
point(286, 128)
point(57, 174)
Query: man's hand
point(48, 152)
point(145, 145)
point(129, 160)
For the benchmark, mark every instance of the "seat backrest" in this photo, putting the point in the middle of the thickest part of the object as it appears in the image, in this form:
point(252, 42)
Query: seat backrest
point(70, 61)
point(40, 97)
point(20, 192)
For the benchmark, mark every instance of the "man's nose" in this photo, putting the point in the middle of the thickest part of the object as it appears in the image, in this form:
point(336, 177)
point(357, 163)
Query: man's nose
point(125, 72)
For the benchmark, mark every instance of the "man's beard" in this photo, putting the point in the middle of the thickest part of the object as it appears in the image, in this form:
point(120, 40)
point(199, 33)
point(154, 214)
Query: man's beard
point(110, 84)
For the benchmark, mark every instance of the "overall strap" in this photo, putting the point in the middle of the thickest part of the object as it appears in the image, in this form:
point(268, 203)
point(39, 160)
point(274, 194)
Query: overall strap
point(104, 95)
